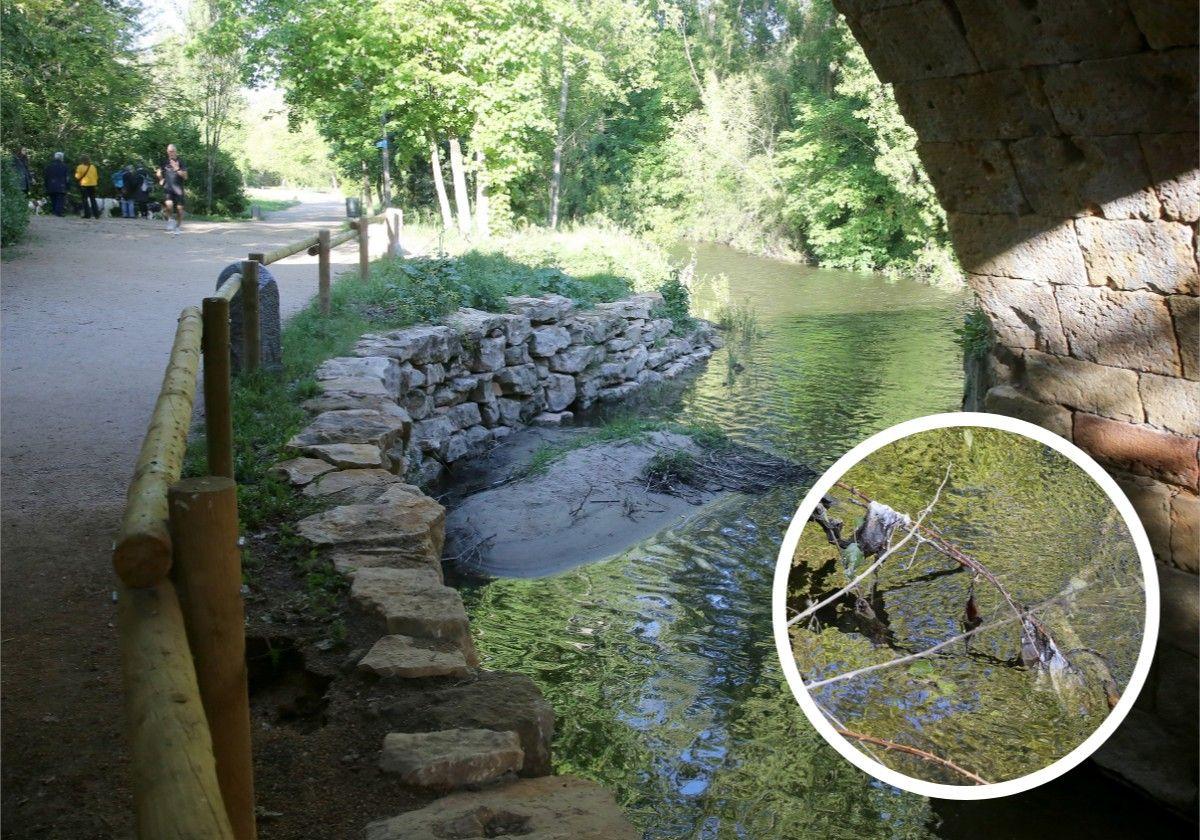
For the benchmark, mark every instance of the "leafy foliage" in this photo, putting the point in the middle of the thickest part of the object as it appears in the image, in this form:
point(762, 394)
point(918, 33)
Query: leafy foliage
point(676, 304)
point(14, 211)
point(975, 334)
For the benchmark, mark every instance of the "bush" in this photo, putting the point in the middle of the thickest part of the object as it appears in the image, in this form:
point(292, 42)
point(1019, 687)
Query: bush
point(14, 207)
point(676, 305)
point(975, 334)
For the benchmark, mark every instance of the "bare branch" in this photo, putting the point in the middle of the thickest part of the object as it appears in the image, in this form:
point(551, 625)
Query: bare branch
point(892, 746)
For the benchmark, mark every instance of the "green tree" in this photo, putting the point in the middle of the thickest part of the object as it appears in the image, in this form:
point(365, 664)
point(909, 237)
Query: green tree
point(69, 75)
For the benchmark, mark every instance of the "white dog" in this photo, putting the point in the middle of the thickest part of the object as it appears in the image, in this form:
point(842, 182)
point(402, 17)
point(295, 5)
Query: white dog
point(37, 206)
point(107, 204)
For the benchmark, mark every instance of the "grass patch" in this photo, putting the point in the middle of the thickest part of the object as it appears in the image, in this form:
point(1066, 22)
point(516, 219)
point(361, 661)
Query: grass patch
point(739, 320)
point(625, 428)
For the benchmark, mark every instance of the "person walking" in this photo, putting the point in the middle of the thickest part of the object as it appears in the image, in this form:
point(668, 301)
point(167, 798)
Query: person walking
point(24, 173)
point(172, 174)
point(55, 177)
point(130, 183)
point(88, 177)
point(141, 196)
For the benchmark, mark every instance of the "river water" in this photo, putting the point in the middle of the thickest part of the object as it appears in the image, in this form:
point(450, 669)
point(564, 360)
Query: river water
point(660, 662)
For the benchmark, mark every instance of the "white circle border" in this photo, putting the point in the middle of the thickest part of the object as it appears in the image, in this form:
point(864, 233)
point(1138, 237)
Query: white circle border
point(1149, 629)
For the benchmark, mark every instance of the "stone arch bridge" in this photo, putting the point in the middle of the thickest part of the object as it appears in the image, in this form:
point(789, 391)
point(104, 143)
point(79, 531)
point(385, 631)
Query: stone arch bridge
point(1061, 137)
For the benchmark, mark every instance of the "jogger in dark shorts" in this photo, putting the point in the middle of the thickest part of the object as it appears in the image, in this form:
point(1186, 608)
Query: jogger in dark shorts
point(172, 173)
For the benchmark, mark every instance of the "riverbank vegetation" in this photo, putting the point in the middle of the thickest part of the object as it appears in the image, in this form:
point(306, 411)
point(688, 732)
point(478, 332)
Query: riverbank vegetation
point(761, 126)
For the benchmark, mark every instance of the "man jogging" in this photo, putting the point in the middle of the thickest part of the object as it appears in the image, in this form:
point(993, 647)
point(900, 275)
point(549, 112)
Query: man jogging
point(171, 175)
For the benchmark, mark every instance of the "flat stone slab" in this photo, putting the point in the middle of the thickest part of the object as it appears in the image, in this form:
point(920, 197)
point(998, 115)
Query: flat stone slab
point(451, 758)
point(413, 602)
point(355, 425)
point(499, 700)
point(349, 455)
point(301, 471)
point(404, 657)
point(352, 486)
point(349, 562)
point(406, 522)
point(560, 807)
point(382, 368)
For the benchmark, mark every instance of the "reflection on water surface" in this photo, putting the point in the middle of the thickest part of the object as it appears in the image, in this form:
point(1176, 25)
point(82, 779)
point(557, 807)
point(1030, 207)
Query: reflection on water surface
point(660, 662)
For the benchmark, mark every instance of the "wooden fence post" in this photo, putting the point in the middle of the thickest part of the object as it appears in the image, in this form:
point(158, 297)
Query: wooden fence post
point(218, 414)
point(323, 279)
point(250, 317)
point(364, 248)
point(175, 788)
point(394, 219)
point(208, 572)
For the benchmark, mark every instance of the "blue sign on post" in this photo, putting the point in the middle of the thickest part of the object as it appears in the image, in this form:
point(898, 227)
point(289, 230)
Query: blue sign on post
point(381, 144)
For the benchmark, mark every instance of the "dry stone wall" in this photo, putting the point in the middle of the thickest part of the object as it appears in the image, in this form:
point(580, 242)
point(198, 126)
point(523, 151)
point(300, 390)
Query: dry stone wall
point(415, 400)
point(1061, 138)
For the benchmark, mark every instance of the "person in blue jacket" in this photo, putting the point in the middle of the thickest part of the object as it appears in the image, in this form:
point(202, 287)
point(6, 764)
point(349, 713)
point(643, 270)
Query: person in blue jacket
point(56, 178)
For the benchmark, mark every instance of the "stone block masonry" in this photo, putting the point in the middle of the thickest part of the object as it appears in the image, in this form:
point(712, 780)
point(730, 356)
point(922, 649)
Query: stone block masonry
point(1061, 138)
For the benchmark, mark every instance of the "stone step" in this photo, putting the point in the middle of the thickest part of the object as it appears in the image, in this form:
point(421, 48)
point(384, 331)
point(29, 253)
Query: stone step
point(413, 602)
point(549, 807)
point(353, 425)
point(348, 562)
point(346, 487)
point(401, 519)
point(301, 471)
point(405, 657)
point(451, 758)
point(498, 700)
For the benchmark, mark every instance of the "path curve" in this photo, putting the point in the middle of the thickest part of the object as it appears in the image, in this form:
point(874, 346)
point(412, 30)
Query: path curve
point(88, 314)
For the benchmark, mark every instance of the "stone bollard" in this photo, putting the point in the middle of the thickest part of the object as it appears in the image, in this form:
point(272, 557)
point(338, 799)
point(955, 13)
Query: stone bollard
point(269, 329)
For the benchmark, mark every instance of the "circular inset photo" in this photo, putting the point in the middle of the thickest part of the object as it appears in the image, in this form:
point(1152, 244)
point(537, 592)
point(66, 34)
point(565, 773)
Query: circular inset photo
point(965, 606)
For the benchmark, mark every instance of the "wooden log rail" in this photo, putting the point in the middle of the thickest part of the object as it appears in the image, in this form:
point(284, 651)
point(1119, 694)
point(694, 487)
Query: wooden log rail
point(181, 621)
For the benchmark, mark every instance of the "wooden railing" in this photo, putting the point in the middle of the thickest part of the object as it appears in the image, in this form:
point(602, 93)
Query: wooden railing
point(181, 622)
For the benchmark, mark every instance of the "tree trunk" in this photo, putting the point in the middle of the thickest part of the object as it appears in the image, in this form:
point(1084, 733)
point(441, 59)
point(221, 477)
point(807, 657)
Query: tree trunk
point(366, 190)
point(439, 184)
point(208, 181)
point(386, 196)
point(462, 202)
point(482, 223)
point(559, 138)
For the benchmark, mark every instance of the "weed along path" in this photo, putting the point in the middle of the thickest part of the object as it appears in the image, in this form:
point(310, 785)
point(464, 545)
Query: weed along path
point(89, 313)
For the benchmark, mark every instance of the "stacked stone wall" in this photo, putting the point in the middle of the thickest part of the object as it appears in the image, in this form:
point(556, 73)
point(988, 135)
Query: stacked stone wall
point(1061, 138)
point(415, 400)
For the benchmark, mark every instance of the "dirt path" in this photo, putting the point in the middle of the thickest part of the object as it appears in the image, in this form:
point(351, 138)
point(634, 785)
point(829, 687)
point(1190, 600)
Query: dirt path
point(89, 311)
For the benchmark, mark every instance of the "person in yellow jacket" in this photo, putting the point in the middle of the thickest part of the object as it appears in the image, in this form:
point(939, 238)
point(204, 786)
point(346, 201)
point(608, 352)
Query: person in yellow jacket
point(88, 177)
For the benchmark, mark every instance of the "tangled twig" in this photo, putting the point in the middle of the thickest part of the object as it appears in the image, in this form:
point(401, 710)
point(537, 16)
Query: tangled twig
point(878, 562)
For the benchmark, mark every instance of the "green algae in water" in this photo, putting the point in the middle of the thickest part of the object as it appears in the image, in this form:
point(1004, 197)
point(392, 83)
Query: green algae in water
point(1042, 526)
